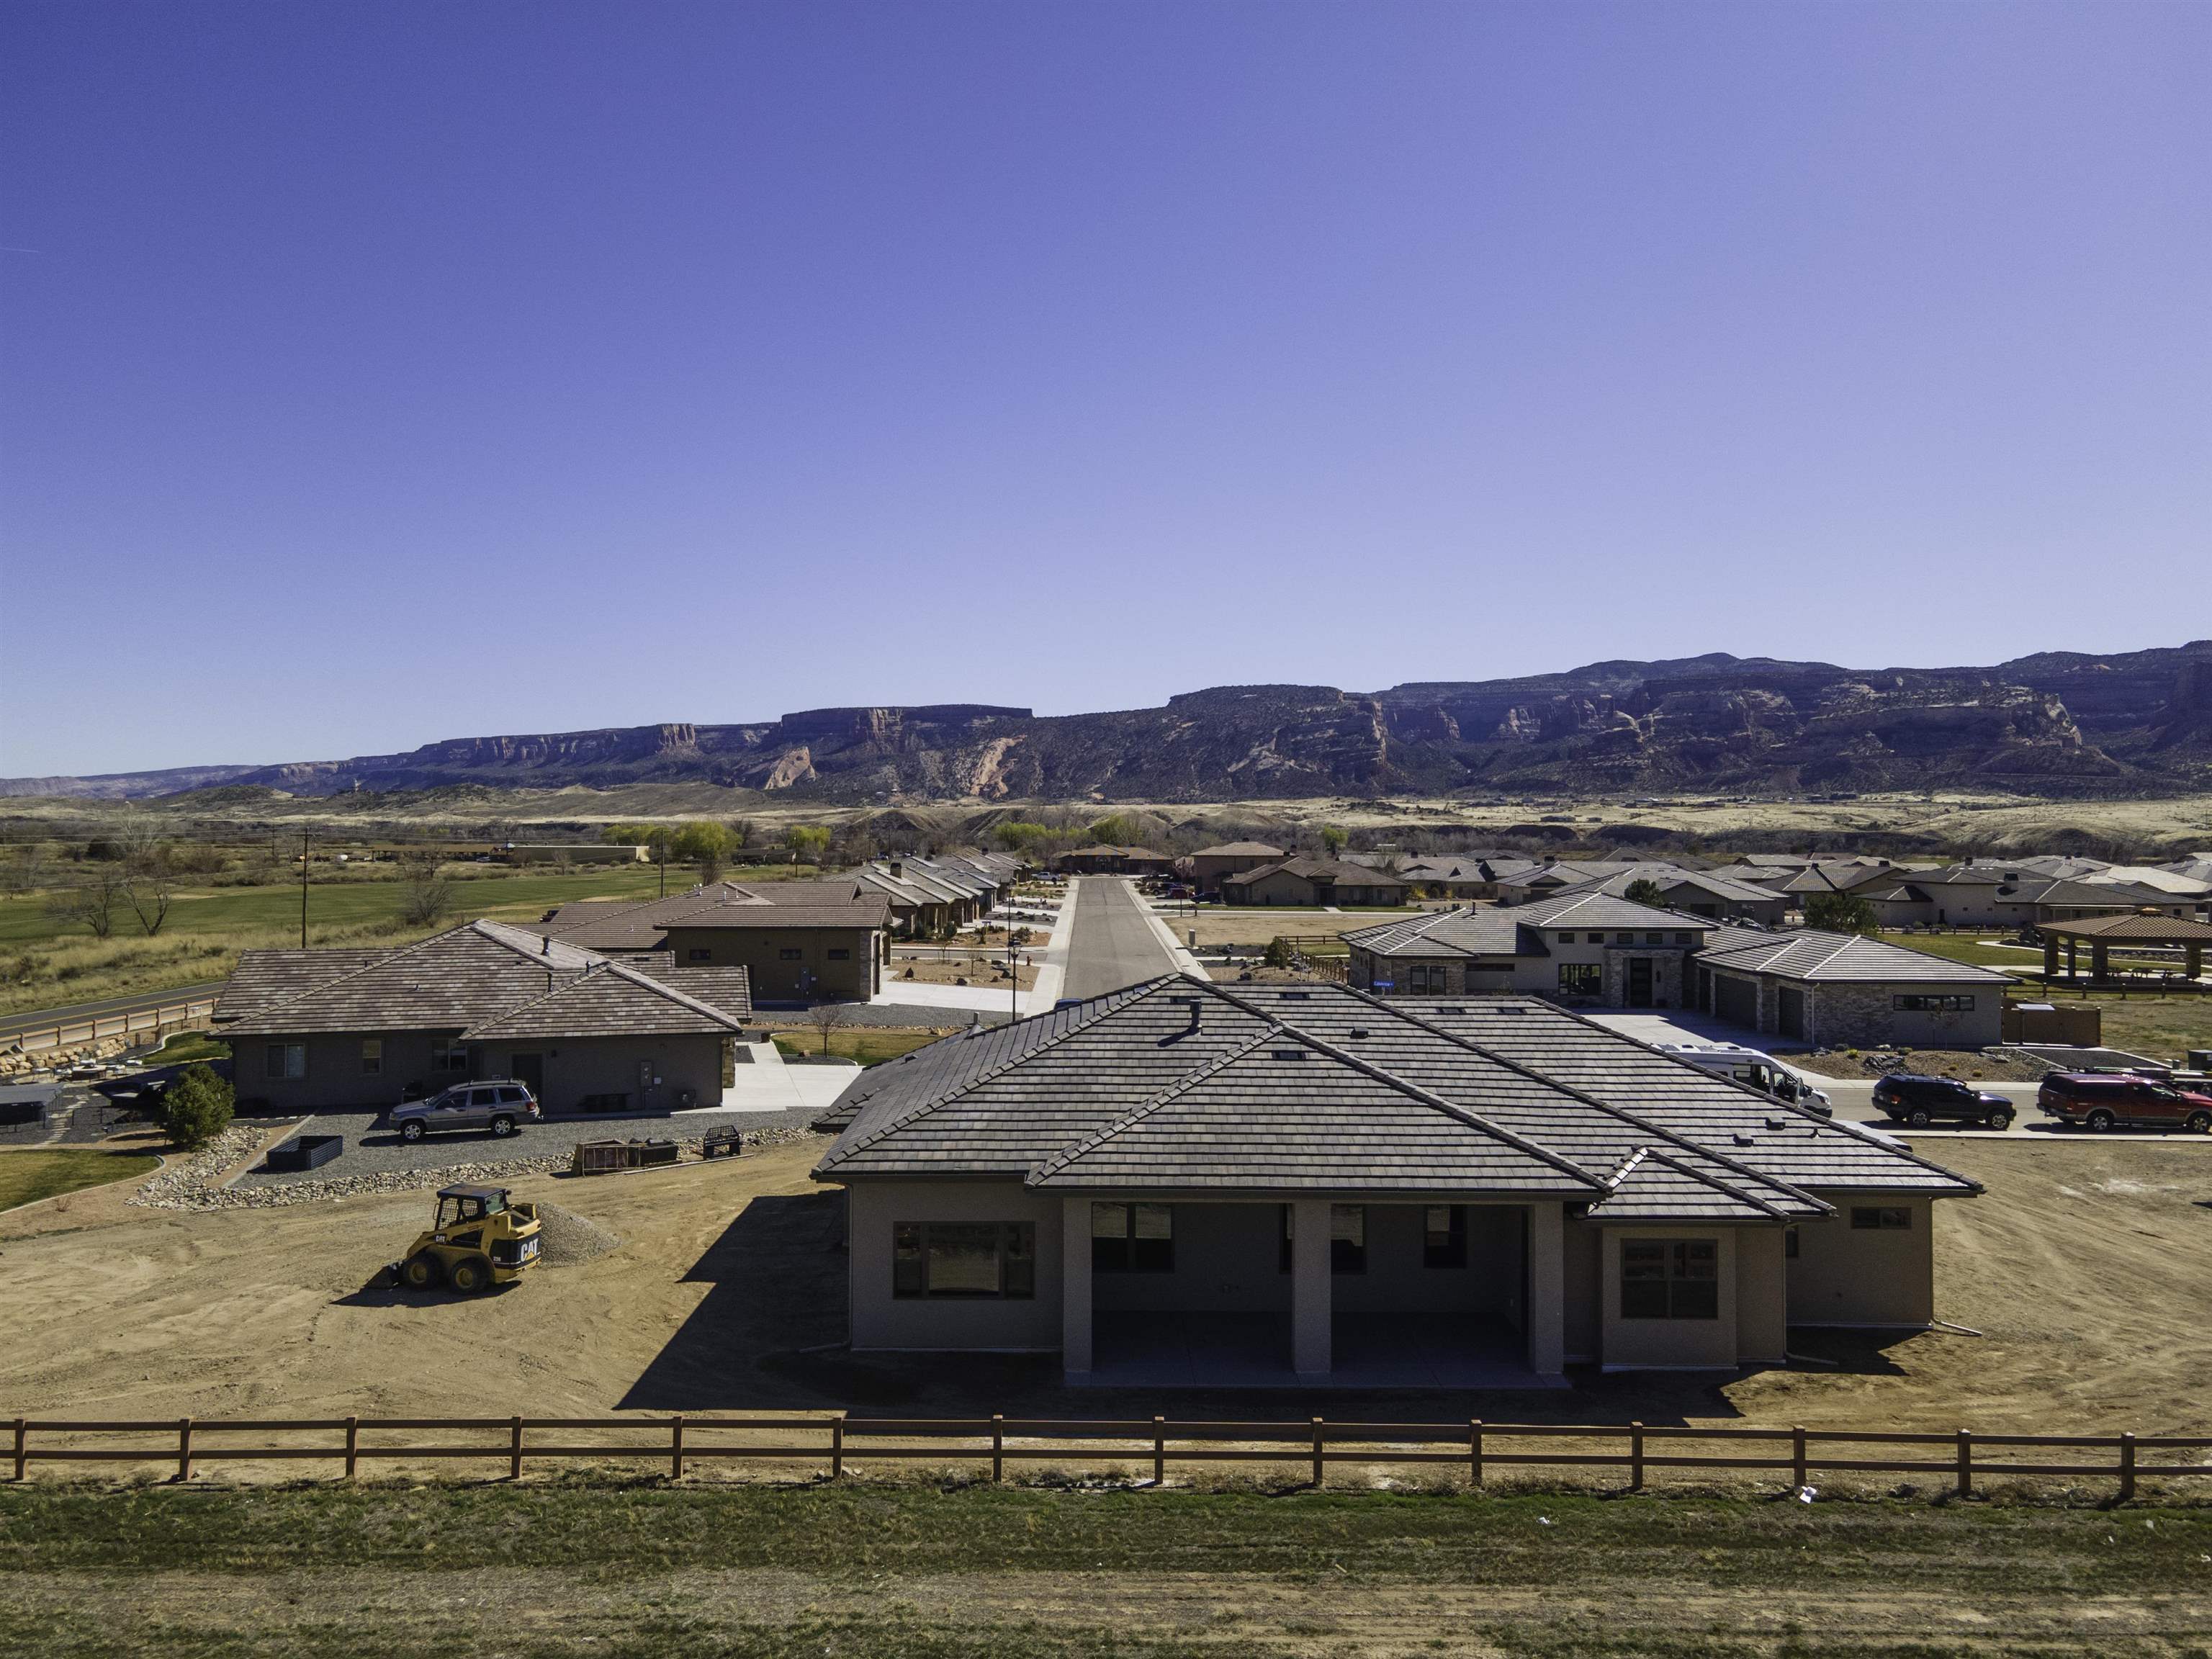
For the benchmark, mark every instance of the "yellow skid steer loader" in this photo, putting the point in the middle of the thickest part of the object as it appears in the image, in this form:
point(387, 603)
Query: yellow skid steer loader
point(479, 1238)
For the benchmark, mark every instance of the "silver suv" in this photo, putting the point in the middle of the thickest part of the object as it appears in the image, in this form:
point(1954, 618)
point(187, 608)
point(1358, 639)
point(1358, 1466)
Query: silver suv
point(500, 1104)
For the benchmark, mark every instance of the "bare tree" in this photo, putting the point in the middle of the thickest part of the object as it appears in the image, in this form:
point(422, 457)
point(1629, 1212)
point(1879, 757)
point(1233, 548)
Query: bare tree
point(826, 1018)
point(27, 872)
point(426, 894)
point(148, 871)
point(91, 901)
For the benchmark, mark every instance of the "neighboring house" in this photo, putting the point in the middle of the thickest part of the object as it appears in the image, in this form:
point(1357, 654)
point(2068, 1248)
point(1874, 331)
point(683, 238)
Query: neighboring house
point(1311, 884)
point(934, 896)
point(1114, 861)
point(1699, 893)
point(1838, 990)
point(1206, 868)
point(317, 1031)
point(1465, 878)
point(1583, 948)
point(1273, 1184)
point(2006, 895)
point(812, 941)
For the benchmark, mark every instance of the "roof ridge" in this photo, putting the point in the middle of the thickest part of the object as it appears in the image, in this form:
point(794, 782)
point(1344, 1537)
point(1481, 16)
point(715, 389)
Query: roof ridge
point(1466, 1115)
point(1097, 1138)
point(1661, 1130)
point(944, 1097)
point(1703, 1180)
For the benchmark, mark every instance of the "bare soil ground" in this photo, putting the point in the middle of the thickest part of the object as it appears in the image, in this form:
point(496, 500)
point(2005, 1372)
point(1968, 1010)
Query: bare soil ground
point(1255, 925)
point(2085, 1265)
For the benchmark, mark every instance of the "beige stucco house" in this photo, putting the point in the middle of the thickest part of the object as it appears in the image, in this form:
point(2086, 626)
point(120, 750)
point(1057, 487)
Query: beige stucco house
point(1587, 948)
point(1274, 1185)
point(799, 942)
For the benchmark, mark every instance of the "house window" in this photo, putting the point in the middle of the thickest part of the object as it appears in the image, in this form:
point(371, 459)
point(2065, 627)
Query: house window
point(967, 1260)
point(1582, 979)
point(1926, 1004)
point(1655, 939)
point(1669, 1279)
point(1347, 1238)
point(286, 1060)
point(699, 953)
point(841, 955)
point(1426, 979)
point(448, 1055)
point(371, 1056)
point(1684, 938)
point(1443, 1242)
point(1885, 1219)
point(1618, 938)
point(1132, 1239)
point(1566, 938)
point(789, 954)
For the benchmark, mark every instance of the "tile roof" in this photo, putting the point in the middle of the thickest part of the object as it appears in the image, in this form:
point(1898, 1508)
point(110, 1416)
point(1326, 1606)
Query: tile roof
point(470, 980)
point(1182, 1083)
point(1239, 849)
point(1332, 871)
point(619, 925)
point(265, 978)
point(1809, 955)
point(1510, 930)
point(2173, 930)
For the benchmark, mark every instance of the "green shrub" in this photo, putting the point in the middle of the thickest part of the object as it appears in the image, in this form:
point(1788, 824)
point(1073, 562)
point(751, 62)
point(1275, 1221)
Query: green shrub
point(1280, 954)
point(196, 1107)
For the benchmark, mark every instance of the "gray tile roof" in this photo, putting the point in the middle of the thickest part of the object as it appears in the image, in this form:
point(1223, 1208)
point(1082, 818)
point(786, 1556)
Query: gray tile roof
point(470, 980)
point(265, 978)
point(1821, 956)
point(1331, 870)
point(1181, 1085)
point(1512, 931)
point(1239, 849)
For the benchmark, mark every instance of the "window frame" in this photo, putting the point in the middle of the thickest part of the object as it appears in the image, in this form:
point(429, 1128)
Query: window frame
point(1882, 1218)
point(1130, 1250)
point(449, 1057)
point(1917, 1002)
point(916, 1255)
point(371, 1056)
point(1686, 1280)
point(285, 1062)
point(1582, 979)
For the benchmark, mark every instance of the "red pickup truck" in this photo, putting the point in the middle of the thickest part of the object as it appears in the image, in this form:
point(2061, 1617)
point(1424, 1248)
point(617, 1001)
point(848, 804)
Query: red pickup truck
point(2129, 1100)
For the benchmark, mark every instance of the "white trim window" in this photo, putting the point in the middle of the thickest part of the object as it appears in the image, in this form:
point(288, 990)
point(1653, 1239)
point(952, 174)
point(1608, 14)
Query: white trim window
point(286, 1060)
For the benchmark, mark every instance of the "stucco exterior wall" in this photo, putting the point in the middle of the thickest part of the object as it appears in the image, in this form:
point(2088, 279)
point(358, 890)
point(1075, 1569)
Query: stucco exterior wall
point(880, 1320)
point(654, 1071)
point(1667, 1343)
point(812, 974)
point(1848, 1276)
point(335, 1080)
point(1762, 1295)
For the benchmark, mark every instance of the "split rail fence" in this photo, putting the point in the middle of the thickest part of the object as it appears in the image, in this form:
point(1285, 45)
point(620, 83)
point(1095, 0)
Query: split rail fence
point(837, 1443)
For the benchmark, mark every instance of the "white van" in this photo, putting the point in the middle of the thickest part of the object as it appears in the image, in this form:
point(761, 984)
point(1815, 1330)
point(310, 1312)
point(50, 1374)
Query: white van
point(1761, 1071)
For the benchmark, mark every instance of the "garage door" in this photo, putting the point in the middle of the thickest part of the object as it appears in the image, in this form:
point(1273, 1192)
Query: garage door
point(1735, 1000)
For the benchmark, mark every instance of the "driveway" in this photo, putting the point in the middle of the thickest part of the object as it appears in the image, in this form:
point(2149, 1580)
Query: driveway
point(1117, 941)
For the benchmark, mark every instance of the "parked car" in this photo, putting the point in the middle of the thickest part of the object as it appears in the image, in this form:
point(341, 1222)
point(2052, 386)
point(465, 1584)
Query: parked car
point(2113, 1100)
point(1761, 1071)
point(1910, 1097)
point(501, 1105)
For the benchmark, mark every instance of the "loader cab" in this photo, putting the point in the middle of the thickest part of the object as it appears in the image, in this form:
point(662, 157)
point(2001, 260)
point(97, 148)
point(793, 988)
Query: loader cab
point(462, 1207)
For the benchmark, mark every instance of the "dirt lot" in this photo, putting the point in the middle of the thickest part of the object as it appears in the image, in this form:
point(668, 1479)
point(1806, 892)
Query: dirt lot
point(1255, 925)
point(2085, 1265)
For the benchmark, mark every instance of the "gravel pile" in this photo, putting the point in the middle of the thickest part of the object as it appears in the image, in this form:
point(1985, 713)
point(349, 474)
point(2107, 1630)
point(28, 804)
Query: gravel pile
point(565, 1239)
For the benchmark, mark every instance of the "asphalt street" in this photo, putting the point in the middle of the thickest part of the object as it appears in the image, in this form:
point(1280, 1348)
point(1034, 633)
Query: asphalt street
point(1114, 943)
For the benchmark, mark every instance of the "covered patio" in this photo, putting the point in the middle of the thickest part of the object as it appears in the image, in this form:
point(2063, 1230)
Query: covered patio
point(2138, 933)
point(1158, 1292)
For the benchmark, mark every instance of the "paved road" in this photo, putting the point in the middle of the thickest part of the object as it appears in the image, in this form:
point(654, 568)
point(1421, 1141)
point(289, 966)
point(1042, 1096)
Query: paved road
point(1114, 943)
point(39, 1019)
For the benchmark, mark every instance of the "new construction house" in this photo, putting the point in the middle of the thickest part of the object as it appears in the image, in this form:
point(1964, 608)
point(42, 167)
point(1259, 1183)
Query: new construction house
point(1189, 1183)
point(1585, 948)
point(1838, 989)
point(799, 941)
point(319, 1030)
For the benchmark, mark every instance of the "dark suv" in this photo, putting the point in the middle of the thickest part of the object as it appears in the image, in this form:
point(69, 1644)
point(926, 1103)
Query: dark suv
point(2113, 1100)
point(1909, 1098)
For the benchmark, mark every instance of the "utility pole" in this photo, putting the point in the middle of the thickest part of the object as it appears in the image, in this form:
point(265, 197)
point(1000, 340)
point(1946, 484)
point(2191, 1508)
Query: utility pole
point(303, 890)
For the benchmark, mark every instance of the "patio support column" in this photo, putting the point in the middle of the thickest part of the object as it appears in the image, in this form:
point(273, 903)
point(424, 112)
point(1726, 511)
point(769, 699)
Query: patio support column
point(2192, 960)
point(1547, 1287)
point(2073, 957)
point(1075, 1286)
point(2100, 959)
point(2050, 956)
point(1310, 1289)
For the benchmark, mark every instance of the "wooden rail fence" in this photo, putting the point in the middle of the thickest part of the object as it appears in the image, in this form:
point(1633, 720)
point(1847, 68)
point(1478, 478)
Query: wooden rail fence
point(836, 1440)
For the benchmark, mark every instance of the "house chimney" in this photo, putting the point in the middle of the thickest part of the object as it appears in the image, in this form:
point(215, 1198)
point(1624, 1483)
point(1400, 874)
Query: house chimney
point(898, 869)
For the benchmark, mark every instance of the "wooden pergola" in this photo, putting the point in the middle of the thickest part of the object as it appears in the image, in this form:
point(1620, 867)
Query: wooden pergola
point(2102, 932)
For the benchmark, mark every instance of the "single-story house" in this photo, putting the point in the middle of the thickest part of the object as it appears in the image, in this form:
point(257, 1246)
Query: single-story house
point(1105, 860)
point(1311, 884)
point(2003, 896)
point(1466, 877)
point(1840, 990)
point(1699, 893)
point(800, 941)
point(316, 1030)
point(1581, 948)
point(1205, 868)
point(1279, 1185)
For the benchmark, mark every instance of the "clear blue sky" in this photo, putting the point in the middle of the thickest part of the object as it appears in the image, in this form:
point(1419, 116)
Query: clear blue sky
point(383, 373)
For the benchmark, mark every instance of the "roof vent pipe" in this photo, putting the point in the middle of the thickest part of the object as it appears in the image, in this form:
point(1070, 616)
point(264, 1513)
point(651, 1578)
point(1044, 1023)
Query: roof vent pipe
point(545, 944)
